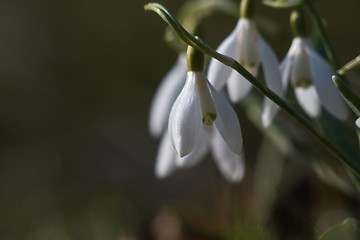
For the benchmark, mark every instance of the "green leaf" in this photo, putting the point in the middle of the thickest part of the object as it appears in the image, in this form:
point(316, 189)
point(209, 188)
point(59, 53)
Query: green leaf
point(350, 97)
point(283, 3)
point(348, 229)
point(334, 176)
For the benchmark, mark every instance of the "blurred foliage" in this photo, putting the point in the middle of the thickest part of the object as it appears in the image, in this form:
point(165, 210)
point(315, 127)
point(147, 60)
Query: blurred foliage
point(348, 229)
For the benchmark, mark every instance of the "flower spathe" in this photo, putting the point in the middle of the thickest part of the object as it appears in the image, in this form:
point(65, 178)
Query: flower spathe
point(310, 75)
point(199, 106)
point(247, 46)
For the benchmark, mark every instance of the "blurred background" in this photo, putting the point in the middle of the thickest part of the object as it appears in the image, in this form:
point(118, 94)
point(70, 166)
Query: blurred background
point(76, 157)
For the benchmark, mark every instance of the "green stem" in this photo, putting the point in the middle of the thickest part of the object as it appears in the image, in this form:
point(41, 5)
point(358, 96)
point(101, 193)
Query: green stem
point(193, 12)
point(326, 40)
point(350, 65)
point(200, 45)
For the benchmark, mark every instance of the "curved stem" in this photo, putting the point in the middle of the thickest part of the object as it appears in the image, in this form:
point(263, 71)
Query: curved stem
point(350, 65)
point(330, 52)
point(200, 45)
point(192, 13)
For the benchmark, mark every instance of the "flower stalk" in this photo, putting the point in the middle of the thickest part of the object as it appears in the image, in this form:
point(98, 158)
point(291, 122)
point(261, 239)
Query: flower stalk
point(350, 162)
point(321, 28)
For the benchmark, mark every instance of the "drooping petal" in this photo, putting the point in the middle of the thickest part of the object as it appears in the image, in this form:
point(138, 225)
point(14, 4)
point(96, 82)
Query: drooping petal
point(309, 100)
point(248, 53)
point(165, 159)
point(322, 72)
point(185, 121)
point(227, 122)
point(166, 95)
point(357, 122)
point(238, 87)
point(285, 65)
point(230, 164)
point(197, 154)
point(300, 71)
point(218, 73)
point(285, 69)
point(207, 104)
point(270, 66)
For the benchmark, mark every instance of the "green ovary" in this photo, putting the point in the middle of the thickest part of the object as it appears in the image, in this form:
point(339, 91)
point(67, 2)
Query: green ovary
point(208, 119)
point(303, 82)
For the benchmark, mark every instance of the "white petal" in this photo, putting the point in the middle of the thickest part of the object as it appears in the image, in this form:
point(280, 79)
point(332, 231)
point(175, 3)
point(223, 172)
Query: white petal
point(165, 96)
point(308, 100)
point(248, 52)
point(165, 159)
point(357, 122)
point(300, 71)
point(218, 73)
point(285, 69)
point(197, 154)
point(286, 65)
point(238, 87)
point(230, 164)
point(185, 121)
point(270, 66)
point(321, 72)
point(227, 122)
point(207, 104)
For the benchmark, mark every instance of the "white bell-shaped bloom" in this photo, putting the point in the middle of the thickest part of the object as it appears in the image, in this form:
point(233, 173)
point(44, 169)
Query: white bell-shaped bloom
point(231, 165)
point(196, 110)
point(247, 46)
point(310, 75)
point(197, 107)
point(166, 94)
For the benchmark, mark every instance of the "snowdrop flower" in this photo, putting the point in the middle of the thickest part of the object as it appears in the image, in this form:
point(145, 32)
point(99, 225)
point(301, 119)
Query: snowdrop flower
point(246, 45)
point(165, 96)
point(357, 122)
point(310, 75)
point(231, 165)
point(198, 107)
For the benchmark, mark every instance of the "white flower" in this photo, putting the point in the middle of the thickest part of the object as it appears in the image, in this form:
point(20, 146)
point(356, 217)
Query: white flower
point(246, 45)
point(197, 107)
point(231, 165)
point(310, 76)
point(165, 96)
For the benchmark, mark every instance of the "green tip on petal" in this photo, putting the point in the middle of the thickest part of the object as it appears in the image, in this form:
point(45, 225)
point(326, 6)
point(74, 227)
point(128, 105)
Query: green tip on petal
point(208, 120)
point(303, 82)
point(195, 60)
point(298, 23)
